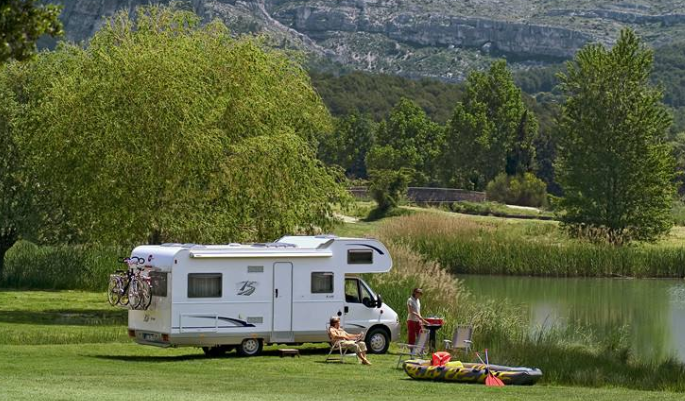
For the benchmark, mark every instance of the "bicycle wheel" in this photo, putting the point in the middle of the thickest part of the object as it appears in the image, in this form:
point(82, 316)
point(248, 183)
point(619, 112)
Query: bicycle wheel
point(113, 290)
point(145, 292)
point(124, 288)
point(134, 297)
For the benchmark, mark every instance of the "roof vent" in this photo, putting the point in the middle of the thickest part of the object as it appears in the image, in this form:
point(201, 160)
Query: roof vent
point(327, 236)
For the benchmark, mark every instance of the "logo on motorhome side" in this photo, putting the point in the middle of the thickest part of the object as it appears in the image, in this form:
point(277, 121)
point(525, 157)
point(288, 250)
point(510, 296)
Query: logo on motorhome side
point(246, 288)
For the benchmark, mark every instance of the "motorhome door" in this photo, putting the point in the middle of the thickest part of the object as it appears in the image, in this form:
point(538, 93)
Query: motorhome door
point(282, 330)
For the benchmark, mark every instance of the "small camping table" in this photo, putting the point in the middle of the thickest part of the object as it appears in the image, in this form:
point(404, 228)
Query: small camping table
point(289, 351)
point(432, 328)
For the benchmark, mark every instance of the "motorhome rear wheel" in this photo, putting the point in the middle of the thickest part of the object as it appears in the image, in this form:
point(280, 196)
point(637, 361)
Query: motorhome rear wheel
point(250, 347)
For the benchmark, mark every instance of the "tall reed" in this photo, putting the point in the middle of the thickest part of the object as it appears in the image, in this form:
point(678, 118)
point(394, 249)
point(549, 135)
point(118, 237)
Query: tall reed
point(444, 296)
point(464, 245)
point(60, 267)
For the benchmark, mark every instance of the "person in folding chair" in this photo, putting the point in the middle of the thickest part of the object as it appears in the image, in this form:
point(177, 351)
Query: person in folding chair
point(349, 341)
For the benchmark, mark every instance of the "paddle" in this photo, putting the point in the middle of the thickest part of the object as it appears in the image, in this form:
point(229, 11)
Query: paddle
point(490, 379)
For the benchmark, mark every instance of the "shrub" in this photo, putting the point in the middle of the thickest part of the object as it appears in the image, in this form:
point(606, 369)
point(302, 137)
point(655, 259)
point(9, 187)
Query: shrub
point(523, 190)
point(63, 267)
point(388, 187)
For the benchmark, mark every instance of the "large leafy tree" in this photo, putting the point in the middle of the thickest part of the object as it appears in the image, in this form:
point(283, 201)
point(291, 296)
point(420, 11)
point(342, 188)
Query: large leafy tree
point(11, 212)
point(407, 139)
point(614, 165)
point(22, 23)
point(490, 131)
point(163, 129)
point(348, 144)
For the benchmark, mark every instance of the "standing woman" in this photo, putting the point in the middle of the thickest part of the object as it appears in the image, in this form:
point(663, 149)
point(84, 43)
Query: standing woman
point(414, 319)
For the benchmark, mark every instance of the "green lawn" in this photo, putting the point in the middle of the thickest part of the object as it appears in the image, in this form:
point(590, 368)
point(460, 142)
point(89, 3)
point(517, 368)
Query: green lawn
point(97, 365)
point(117, 371)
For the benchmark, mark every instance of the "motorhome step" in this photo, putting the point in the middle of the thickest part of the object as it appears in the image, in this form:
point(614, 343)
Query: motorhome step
point(289, 351)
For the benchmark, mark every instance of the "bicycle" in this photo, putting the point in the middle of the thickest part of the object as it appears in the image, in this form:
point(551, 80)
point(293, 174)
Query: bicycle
point(118, 290)
point(140, 291)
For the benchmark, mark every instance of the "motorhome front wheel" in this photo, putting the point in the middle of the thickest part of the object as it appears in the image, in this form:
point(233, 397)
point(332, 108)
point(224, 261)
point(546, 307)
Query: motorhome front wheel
point(378, 341)
point(250, 347)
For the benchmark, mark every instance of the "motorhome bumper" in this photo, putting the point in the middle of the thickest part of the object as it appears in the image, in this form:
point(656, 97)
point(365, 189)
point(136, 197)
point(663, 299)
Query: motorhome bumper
point(150, 338)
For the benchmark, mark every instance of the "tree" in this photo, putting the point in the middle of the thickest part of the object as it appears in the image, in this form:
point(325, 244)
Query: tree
point(413, 140)
point(22, 22)
point(388, 187)
point(348, 145)
point(10, 184)
point(521, 189)
point(164, 129)
point(463, 162)
point(490, 132)
point(614, 165)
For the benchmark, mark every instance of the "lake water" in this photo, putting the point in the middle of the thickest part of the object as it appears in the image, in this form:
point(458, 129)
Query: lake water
point(653, 311)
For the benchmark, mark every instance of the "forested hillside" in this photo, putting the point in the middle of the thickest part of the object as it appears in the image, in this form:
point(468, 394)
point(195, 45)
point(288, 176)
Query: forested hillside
point(669, 71)
point(376, 94)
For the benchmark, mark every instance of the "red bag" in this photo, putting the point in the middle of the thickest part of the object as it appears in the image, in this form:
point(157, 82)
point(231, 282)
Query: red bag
point(441, 358)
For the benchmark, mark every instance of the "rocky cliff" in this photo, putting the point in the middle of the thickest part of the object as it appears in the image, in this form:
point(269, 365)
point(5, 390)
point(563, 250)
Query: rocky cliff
point(439, 38)
point(522, 39)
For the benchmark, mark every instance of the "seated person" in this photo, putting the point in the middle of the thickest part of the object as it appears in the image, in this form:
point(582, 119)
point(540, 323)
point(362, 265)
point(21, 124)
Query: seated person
point(347, 341)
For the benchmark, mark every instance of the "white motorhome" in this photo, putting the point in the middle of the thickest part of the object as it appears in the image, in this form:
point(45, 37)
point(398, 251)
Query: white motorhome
point(221, 297)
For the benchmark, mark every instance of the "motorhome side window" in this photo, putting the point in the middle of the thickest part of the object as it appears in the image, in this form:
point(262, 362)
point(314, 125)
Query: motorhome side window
point(204, 285)
point(360, 257)
point(322, 282)
point(158, 282)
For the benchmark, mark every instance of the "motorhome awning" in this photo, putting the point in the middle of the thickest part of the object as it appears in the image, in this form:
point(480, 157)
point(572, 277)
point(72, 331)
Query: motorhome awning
point(240, 255)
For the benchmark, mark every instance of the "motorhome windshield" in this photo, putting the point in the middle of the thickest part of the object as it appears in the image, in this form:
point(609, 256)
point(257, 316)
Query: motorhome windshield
point(365, 289)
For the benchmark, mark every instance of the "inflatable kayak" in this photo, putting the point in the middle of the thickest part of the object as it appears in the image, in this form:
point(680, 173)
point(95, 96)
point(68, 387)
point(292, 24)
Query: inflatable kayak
point(470, 372)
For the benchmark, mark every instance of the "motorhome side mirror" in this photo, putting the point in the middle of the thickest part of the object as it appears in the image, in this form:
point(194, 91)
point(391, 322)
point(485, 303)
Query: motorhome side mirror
point(379, 301)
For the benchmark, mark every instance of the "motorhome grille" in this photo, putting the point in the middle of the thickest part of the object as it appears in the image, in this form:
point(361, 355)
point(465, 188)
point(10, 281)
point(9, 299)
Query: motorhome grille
point(255, 319)
point(255, 269)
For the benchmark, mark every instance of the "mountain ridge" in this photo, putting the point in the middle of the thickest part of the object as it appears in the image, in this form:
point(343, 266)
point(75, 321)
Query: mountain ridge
point(422, 38)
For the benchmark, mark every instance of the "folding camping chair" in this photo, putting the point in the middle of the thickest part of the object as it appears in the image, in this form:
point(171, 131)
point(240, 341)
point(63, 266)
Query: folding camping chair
point(339, 351)
point(461, 339)
point(418, 350)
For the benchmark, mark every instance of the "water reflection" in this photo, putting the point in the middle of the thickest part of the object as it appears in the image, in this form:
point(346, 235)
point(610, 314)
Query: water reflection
point(652, 311)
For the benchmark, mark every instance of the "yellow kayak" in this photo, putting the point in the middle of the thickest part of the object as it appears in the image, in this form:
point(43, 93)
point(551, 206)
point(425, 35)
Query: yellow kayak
point(470, 372)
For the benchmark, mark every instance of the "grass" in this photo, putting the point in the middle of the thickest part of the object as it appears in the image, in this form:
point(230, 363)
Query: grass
point(59, 317)
point(72, 345)
point(498, 210)
point(111, 368)
point(101, 367)
point(120, 371)
point(488, 245)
